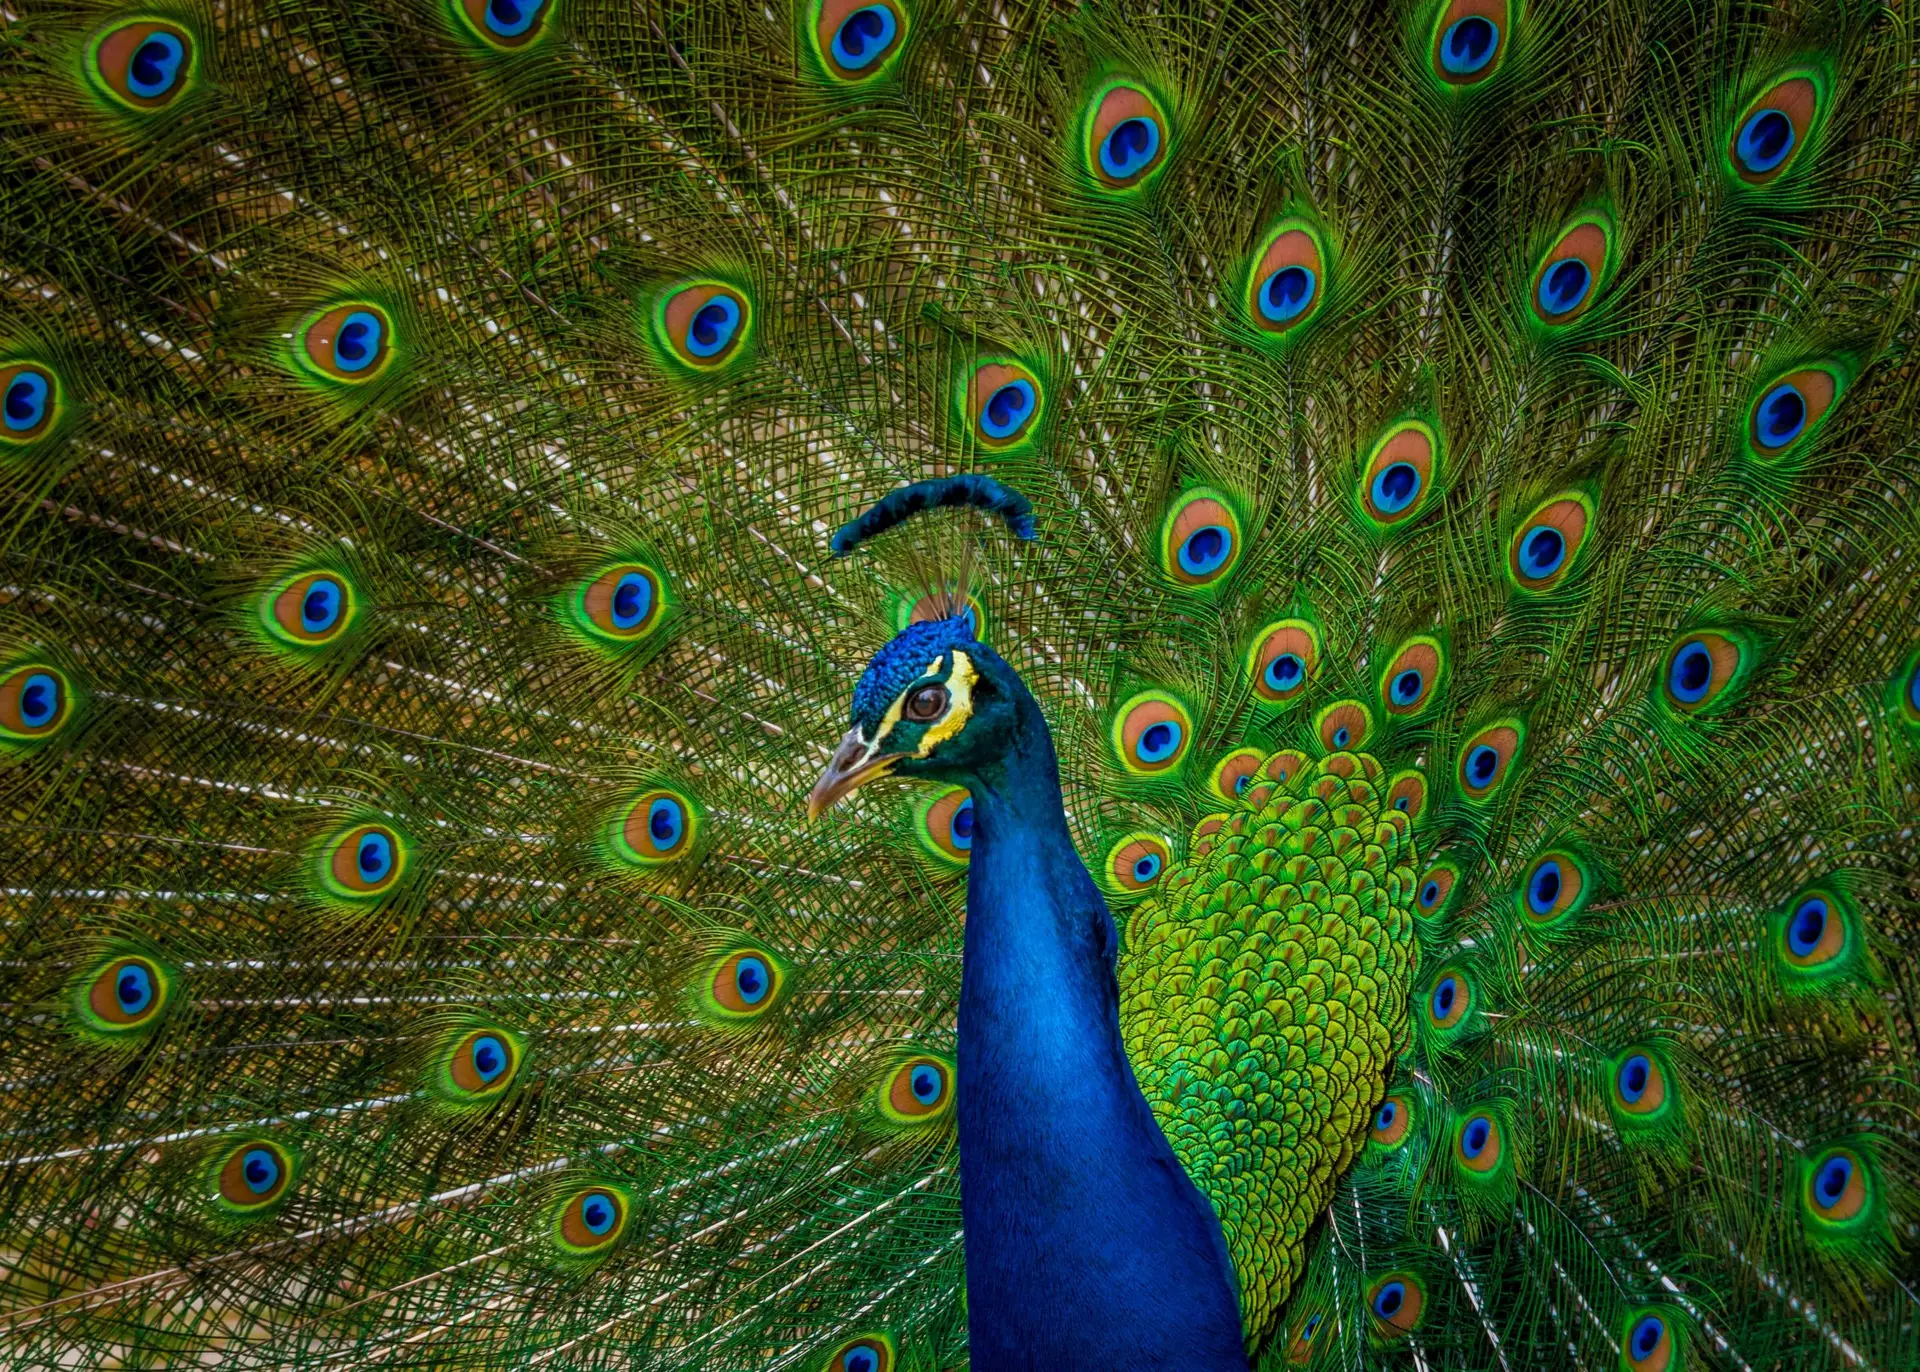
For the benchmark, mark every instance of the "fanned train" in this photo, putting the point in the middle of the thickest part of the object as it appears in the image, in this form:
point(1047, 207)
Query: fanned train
point(1445, 471)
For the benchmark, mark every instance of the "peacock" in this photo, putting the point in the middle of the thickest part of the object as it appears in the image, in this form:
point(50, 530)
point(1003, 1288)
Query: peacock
point(895, 685)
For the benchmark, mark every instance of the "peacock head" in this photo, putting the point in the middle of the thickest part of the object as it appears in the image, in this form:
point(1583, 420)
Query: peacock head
point(934, 702)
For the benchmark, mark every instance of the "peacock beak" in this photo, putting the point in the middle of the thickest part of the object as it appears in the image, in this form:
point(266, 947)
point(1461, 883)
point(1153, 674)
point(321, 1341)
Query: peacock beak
point(855, 763)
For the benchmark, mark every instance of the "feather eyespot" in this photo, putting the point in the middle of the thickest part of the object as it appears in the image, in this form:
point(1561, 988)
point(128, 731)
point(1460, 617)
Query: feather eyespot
point(1449, 1000)
point(483, 1063)
point(505, 24)
point(1838, 1187)
point(1649, 1343)
point(1477, 1144)
point(1136, 862)
point(1300, 1350)
point(364, 863)
point(1283, 660)
point(918, 1091)
point(1469, 41)
point(1412, 676)
point(1407, 795)
point(1200, 539)
point(1567, 282)
point(1548, 542)
point(1702, 668)
point(1284, 765)
point(590, 1222)
point(144, 65)
point(126, 994)
point(349, 343)
point(658, 828)
point(622, 603)
point(1127, 139)
point(1399, 473)
point(1789, 409)
point(1151, 733)
point(1435, 888)
point(1815, 932)
point(1391, 1121)
point(36, 702)
point(946, 825)
point(868, 1353)
point(1287, 283)
point(1005, 403)
point(1344, 726)
point(1555, 889)
point(1396, 1302)
point(253, 1177)
point(29, 401)
point(937, 606)
point(703, 325)
point(309, 610)
point(1486, 759)
point(1770, 133)
point(747, 983)
point(1639, 1085)
point(859, 39)
point(1233, 775)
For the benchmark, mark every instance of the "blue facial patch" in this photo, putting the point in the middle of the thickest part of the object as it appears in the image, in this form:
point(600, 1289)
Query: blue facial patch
point(901, 663)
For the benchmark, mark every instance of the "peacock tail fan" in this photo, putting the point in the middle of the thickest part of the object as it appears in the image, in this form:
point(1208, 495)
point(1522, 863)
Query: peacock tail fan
point(1476, 599)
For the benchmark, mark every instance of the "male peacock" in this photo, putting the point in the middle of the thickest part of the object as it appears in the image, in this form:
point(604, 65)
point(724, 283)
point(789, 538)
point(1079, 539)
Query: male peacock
point(1471, 636)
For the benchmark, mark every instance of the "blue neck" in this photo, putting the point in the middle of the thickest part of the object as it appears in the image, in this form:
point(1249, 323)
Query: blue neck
point(1087, 1245)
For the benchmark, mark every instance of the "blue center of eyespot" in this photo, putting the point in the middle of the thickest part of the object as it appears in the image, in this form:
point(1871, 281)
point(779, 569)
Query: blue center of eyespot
point(1913, 689)
point(1473, 1142)
point(1007, 409)
point(155, 65)
point(1286, 294)
point(1402, 803)
point(1765, 140)
point(1430, 894)
point(598, 1212)
point(864, 37)
point(1286, 672)
point(1342, 736)
point(1309, 1329)
point(1830, 1183)
point(1646, 1336)
point(751, 980)
point(260, 1170)
point(1241, 782)
point(358, 342)
point(1384, 1117)
point(1541, 553)
point(1395, 486)
point(1389, 1298)
point(713, 326)
point(1406, 687)
point(1129, 147)
point(1544, 889)
point(489, 1056)
point(1444, 996)
point(632, 600)
point(925, 1084)
point(39, 700)
point(1564, 285)
point(1691, 673)
point(1482, 763)
point(1158, 741)
point(962, 828)
point(374, 857)
point(1205, 550)
point(1807, 927)
point(1634, 1075)
point(1468, 45)
point(511, 18)
point(320, 606)
point(1780, 416)
point(665, 822)
point(1146, 867)
point(26, 401)
point(860, 1360)
point(133, 989)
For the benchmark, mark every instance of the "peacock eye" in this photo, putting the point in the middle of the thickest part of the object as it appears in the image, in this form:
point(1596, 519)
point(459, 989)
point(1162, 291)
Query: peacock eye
point(926, 703)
